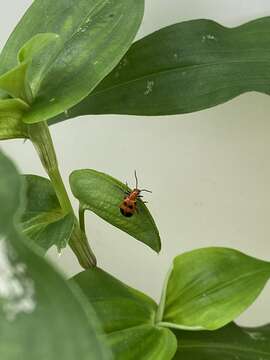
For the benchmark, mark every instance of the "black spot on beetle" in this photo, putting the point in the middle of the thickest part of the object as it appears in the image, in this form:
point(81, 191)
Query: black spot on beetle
point(126, 213)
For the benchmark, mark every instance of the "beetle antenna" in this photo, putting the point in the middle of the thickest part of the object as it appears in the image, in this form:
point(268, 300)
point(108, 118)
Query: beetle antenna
point(135, 173)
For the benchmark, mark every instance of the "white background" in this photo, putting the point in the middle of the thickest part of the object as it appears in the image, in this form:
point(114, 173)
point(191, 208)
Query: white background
point(209, 171)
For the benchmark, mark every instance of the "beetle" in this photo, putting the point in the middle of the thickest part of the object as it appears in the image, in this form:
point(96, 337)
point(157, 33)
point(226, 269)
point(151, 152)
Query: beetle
point(129, 205)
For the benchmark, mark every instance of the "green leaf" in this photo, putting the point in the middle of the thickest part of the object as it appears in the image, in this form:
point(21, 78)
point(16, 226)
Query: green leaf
point(145, 343)
point(103, 195)
point(95, 35)
point(37, 53)
point(229, 343)
point(13, 82)
point(208, 288)
point(127, 316)
point(11, 124)
point(43, 220)
point(184, 68)
point(41, 315)
point(23, 81)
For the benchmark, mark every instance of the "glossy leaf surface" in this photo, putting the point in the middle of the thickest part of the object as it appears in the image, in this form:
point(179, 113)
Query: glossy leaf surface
point(103, 195)
point(11, 124)
point(43, 220)
point(184, 68)
point(41, 316)
point(128, 318)
point(229, 343)
point(210, 287)
point(95, 34)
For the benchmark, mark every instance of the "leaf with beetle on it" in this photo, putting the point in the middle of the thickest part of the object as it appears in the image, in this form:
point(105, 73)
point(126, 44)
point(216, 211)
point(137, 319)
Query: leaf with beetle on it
point(43, 220)
point(208, 288)
point(104, 195)
point(11, 125)
point(127, 317)
point(34, 298)
point(184, 68)
point(229, 343)
point(94, 35)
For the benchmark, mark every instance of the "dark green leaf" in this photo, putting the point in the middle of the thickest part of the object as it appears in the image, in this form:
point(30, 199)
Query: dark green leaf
point(103, 195)
point(43, 219)
point(208, 288)
point(229, 343)
point(184, 68)
point(127, 316)
point(41, 316)
point(95, 35)
point(11, 125)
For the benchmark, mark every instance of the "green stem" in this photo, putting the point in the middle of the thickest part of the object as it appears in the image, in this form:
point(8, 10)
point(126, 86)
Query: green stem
point(80, 246)
point(83, 232)
point(161, 306)
point(81, 218)
point(41, 138)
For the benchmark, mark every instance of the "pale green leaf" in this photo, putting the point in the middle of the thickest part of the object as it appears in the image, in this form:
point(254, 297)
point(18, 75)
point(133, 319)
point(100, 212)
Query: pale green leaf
point(208, 288)
point(13, 82)
point(37, 53)
point(11, 124)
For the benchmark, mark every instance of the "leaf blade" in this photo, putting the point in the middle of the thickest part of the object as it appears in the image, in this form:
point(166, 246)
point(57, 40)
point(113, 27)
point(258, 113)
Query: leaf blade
point(11, 124)
point(43, 220)
point(216, 286)
point(184, 68)
point(26, 304)
point(128, 318)
point(95, 35)
point(227, 343)
point(103, 194)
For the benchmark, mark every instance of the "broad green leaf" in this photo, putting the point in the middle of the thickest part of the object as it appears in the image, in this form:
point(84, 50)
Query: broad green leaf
point(43, 220)
point(41, 315)
point(210, 287)
point(103, 195)
point(127, 316)
point(229, 343)
point(95, 35)
point(184, 68)
point(11, 124)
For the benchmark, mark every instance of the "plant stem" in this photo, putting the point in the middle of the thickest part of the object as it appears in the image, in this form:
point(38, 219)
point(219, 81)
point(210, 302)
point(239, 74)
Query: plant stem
point(81, 218)
point(41, 138)
point(80, 246)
